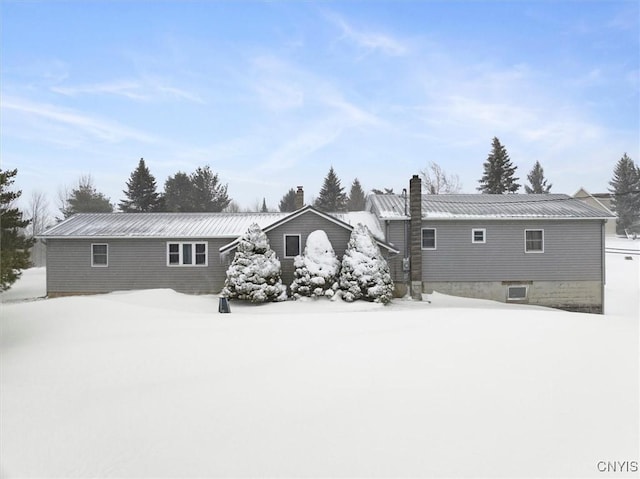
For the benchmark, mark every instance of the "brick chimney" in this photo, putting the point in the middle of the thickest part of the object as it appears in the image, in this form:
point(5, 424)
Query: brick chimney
point(299, 202)
point(415, 211)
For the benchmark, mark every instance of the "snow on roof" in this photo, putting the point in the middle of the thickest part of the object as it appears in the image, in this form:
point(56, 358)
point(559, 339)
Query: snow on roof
point(183, 225)
point(366, 218)
point(483, 206)
point(160, 225)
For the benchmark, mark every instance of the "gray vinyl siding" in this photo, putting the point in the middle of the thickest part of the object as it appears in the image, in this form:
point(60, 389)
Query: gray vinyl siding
point(133, 264)
point(572, 251)
point(304, 225)
point(395, 231)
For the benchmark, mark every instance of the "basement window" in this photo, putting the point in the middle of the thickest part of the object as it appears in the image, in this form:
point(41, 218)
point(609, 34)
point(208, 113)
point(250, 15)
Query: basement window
point(187, 254)
point(99, 255)
point(517, 293)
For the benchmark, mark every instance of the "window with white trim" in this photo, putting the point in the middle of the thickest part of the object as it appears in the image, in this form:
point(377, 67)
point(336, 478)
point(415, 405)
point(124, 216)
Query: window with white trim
point(534, 241)
point(187, 254)
point(291, 246)
point(517, 293)
point(100, 255)
point(428, 238)
point(478, 235)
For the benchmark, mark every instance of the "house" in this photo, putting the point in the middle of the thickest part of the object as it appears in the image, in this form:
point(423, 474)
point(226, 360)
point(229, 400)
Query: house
point(602, 201)
point(538, 249)
point(188, 252)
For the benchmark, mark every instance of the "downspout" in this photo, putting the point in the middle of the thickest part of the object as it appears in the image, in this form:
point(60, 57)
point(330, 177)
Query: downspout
point(602, 263)
point(406, 268)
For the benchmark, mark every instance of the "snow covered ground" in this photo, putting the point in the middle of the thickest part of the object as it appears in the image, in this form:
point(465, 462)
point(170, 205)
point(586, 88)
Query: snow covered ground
point(158, 384)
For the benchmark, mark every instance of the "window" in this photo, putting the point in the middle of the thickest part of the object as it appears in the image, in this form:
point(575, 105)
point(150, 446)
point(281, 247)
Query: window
point(291, 246)
point(99, 255)
point(534, 241)
point(516, 293)
point(478, 235)
point(428, 238)
point(187, 254)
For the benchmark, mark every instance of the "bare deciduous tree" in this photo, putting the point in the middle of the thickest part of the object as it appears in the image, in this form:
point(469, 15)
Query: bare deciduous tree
point(38, 213)
point(436, 181)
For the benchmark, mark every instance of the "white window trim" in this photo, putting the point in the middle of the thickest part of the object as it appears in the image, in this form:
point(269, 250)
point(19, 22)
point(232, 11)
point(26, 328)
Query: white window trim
point(536, 251)
point(93, 264)
point(435, 239)
point(526, 292)
point(484, 235)
point(180, 250)
point(284, 245)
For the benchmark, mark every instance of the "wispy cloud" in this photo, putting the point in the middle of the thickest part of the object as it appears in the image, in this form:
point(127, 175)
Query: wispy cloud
point(94, 127)
point(146, 90)
point(369, 41)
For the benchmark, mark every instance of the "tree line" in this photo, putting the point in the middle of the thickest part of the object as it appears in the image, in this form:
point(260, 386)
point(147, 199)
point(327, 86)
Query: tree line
point(202, 190)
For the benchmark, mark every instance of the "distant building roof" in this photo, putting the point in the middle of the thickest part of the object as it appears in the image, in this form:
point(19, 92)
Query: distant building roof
point(484, 206)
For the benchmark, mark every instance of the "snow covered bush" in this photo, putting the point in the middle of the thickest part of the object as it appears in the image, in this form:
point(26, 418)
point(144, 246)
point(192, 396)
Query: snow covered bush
point(254, 273)
point(316, 270)
point(365, 273)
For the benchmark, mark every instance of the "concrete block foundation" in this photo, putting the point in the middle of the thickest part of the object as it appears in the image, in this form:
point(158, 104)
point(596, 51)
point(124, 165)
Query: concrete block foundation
point(579, 296)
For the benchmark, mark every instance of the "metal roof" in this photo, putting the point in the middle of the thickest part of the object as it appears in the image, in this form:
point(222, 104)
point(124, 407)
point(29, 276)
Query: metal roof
point(160, 225)
point(484, 206)
point(181, 225)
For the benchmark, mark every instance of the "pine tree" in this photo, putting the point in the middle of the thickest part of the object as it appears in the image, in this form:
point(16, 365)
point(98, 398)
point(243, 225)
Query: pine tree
point(141, 193)
point(625, 188)
point(332, 197)
point(178, 193)
point(357, 199)
point(14, 245)
point(264, 208)
point(364, 273)
point(208, 193)
point(498, 177)
point(85, 199)
point(254, 273)
point(537, 181)
point(316, 270)
point(288, 202)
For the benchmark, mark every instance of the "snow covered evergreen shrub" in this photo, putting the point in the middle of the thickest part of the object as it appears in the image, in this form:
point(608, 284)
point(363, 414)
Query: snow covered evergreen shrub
point(316, 270)
point(365, 273)
point(254, 273)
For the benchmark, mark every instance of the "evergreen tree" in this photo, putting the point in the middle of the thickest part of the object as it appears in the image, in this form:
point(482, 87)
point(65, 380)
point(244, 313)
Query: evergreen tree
point(537, 181)
point(332, 197)
point(14, 245)
point(254, 273)
point(288, 202)
point(264, 208)
point(178, 193)
point(141, 193)
point(364, 273)
point(316, 270)
point(498, 177)
point(208, 193)
point(85, 199)
point(357, 199)
point(625, 188)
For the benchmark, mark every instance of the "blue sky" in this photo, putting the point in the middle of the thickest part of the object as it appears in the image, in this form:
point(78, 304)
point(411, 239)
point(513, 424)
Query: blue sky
point(271, 94)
